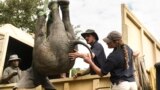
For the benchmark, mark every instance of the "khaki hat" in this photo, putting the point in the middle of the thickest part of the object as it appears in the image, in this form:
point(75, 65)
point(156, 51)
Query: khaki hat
point(14, 57)
point(90, 31)
point(112, 36)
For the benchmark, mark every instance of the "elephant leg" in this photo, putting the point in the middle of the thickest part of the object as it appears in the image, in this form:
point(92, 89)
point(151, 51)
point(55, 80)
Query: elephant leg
point(64, 5)
point(46, 84)
point(43, 80)
point(49, 22)
point(54, 20)
point(40, 30)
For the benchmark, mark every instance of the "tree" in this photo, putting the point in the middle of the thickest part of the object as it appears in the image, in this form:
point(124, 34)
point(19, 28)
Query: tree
point(20, 13)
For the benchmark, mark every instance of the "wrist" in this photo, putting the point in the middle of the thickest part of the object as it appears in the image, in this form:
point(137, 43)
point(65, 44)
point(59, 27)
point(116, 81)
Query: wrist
point(80, 55)
point(91, 63)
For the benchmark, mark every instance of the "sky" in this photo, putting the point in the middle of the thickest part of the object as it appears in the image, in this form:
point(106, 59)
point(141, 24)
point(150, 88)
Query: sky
point(105, 15)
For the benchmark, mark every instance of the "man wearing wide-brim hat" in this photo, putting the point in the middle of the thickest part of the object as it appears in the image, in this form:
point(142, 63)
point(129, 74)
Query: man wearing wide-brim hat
point(90, 32)
point(97, 49)
point(12, 73)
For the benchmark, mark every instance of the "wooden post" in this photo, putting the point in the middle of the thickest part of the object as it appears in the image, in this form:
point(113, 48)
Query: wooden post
point(66, 86)
point(95, 84)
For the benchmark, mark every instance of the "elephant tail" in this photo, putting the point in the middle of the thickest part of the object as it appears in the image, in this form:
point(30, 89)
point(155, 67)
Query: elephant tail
point(76, 42)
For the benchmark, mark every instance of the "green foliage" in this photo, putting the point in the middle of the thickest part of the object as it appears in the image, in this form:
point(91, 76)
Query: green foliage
point(74, 71)
point(77, 32)
point(20, 13)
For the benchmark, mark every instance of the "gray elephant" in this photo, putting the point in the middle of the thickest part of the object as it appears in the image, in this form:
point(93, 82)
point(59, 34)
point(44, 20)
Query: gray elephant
point(53, 42)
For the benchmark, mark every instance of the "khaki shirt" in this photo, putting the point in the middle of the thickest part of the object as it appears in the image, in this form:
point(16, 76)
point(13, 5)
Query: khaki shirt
point(8, 71)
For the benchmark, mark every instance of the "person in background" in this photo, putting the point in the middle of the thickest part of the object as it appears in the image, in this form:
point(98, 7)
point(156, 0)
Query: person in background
point(12, 73)
point(97, 49)
point(119, 63)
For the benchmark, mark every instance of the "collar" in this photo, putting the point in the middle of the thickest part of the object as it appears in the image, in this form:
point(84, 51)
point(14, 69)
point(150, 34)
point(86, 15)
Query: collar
point(93, 44)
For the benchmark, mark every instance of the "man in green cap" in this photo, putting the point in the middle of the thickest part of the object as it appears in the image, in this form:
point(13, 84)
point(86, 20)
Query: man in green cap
point(97, 49)
point(12, 73)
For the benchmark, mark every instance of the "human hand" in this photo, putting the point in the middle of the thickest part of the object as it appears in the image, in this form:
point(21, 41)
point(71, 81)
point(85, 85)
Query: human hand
point(77, 75)
point(136, 53)
point(74, 55)
point(14, 73)
point(63, 75)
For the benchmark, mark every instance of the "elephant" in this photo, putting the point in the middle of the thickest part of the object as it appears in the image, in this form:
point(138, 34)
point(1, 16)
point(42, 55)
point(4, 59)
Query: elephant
point(53, 42)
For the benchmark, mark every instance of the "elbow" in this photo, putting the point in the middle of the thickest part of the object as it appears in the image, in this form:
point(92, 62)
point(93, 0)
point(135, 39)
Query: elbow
point(100, 74)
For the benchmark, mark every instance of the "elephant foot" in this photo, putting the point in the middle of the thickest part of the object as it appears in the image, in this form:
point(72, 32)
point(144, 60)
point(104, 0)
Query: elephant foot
point(53, 5)
point(41, 13)
point(63, 2)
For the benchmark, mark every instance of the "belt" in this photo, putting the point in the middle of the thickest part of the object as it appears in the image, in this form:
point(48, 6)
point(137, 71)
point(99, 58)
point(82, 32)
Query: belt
point(118, 82)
